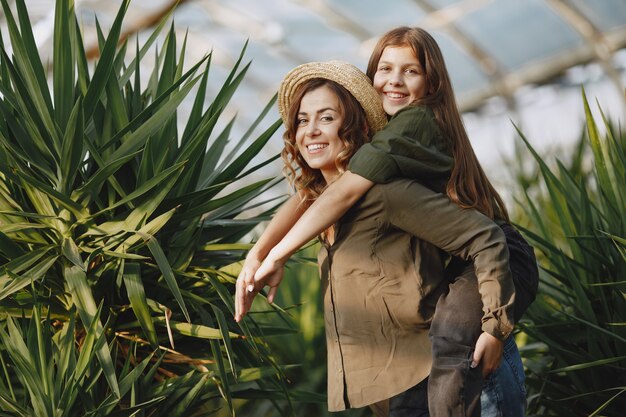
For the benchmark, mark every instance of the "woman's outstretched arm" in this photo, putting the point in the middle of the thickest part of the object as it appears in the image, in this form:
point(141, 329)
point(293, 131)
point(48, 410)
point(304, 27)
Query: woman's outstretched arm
point(325, 211)
point(283, 220)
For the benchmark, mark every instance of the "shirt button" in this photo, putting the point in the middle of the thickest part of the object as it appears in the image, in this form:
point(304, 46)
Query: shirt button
point(336, 340)
point(340, 371)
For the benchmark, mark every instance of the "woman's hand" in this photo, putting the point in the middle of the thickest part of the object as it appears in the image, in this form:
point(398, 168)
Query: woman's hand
point(243, 300)
point(270, 273)
point(253, 277)
point(488, 351)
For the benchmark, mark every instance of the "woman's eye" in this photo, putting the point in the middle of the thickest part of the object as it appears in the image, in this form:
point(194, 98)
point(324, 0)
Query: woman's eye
point(301, 122)
point(327, 118)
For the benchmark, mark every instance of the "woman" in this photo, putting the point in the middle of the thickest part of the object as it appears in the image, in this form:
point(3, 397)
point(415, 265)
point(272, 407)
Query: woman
point(382, 271)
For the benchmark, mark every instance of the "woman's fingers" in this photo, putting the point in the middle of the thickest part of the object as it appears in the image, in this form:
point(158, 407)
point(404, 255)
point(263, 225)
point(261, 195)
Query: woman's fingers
point(271, 294)
point(239, 298)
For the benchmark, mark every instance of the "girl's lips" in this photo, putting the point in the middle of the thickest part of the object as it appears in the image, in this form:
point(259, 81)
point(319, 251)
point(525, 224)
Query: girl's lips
point(395, 95)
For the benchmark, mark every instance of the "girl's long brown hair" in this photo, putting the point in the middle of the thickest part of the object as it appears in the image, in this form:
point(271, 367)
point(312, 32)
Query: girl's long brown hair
point(468, 185)
point(354, 132)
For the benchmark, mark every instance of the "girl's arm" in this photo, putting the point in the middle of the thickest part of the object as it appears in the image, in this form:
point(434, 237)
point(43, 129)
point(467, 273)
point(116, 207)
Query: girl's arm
point(469, 234)
point(325, 211)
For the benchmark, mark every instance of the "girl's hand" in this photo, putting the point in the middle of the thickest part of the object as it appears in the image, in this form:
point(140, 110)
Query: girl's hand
point(488, 351)
point(243, 300)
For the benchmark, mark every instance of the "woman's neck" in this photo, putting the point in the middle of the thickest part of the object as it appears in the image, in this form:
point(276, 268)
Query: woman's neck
point(330, 175)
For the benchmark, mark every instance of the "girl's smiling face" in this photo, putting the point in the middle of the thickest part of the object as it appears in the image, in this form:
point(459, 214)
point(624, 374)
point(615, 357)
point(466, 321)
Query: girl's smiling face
point(317, 135)
point(399, 79)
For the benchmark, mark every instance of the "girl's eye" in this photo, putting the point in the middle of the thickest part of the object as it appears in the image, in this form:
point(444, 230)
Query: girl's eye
point(385, 68)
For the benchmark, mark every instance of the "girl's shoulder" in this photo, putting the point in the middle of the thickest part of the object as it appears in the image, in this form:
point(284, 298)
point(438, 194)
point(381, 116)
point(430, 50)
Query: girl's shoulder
point(413, 115)
point(414, 111)
point(417, 122)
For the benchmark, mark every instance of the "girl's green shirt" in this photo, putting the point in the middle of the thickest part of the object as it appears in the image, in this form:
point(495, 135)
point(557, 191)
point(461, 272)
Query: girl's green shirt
point(410, 146)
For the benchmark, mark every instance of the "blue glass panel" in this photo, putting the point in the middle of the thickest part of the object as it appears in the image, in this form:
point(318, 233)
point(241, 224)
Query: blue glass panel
point(378, 16)
point(516, 33)
point(444, 3)
point(464, 72)
point(605, 14)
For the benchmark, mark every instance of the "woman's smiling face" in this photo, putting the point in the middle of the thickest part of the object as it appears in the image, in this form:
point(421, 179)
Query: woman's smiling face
point(317, 136)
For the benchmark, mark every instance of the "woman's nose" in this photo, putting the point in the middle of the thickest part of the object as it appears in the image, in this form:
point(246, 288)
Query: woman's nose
point(312, 129)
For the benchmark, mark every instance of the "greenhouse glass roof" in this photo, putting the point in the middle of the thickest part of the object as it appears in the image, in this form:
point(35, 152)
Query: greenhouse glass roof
point(492, 47)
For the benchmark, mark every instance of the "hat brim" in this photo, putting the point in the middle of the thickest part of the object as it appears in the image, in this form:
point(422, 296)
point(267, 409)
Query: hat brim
point(344, 74)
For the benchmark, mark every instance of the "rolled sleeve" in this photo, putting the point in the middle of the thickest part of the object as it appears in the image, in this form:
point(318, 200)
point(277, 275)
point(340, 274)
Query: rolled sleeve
point(374, 164)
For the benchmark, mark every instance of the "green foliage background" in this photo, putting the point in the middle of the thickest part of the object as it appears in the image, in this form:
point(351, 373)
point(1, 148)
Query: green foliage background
point(574, 212)
point(119, 230)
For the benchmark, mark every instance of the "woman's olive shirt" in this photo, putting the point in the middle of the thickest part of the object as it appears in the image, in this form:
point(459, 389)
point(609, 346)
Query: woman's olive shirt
point(382, 278)
point(413, 146)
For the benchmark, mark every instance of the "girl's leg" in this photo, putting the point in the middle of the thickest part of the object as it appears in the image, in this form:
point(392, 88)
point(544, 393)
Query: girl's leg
point(454, 387)
point(411, 403)
point(504, 393)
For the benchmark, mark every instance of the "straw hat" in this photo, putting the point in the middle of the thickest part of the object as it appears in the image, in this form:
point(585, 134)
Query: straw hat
point(343, 73)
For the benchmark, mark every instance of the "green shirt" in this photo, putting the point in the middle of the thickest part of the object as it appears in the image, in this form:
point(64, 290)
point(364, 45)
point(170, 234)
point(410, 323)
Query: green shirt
point(410, 146)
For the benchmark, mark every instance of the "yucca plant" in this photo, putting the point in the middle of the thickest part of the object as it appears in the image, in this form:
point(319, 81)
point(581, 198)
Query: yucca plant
point(575, 217)
point(119, 230)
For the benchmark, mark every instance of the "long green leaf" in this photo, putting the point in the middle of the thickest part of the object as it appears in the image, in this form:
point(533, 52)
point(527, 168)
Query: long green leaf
point(166, 270)
point(36, 273)
point(105, 65)
point(137, 297)
point(72, 149)
point(138, 138)
point(63, 63)
point(83, 298)
point(23, 361)
point(200, 209)
point(195, 330)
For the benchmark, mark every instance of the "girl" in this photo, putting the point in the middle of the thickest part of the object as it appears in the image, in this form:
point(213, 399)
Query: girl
point(424, 140)
point(381, 275)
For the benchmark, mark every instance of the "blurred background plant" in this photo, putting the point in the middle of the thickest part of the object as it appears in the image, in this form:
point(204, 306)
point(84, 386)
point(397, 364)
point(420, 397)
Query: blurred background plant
point(574, 213)
point(119, 229)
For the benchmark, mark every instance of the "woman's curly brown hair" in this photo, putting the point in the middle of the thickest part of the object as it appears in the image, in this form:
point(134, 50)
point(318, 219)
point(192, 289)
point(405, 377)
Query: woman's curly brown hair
point(354, 132)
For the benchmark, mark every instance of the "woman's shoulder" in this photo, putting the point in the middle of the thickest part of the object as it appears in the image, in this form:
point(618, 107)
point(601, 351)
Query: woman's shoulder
point(398, 188)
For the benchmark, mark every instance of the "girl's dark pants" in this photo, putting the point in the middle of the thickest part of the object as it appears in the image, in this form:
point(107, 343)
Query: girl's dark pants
point(453, 386)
